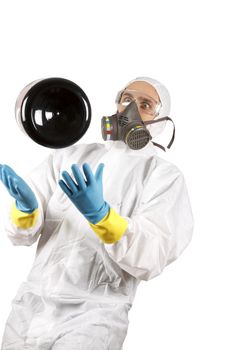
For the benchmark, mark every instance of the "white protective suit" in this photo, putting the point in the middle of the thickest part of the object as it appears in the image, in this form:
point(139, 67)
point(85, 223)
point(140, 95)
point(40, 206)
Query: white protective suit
point(80, 290)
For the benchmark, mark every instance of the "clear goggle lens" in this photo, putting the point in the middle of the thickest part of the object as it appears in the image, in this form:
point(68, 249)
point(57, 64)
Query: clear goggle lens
point(146, 104)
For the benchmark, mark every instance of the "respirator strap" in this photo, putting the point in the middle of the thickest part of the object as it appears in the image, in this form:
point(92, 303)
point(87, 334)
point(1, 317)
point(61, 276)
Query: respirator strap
point(173, 134)
point(158, 145)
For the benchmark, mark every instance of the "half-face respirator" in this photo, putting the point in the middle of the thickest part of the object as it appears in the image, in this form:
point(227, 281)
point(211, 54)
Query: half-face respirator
point(129, 127)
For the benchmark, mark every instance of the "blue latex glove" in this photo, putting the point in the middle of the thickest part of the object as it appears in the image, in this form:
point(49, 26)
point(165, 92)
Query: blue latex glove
point(86, 194)
point(17, 187)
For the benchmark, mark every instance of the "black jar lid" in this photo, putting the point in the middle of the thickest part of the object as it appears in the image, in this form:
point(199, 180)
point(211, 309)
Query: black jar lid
point(55, 112)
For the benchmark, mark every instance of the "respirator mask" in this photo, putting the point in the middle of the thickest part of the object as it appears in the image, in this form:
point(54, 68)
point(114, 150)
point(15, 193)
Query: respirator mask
point(127, 124)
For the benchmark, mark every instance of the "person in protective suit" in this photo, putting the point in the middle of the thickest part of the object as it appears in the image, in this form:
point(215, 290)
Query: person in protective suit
point(106, 216)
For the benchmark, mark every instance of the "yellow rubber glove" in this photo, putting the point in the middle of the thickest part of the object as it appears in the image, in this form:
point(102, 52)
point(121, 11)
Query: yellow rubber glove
point(111, 228)
point(24, 220)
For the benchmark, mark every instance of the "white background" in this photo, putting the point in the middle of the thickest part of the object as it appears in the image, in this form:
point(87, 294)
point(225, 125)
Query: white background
point(101, 45)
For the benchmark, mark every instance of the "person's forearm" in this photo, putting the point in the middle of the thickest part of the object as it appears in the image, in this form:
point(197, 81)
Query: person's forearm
point(111, 228)
point(24, 228)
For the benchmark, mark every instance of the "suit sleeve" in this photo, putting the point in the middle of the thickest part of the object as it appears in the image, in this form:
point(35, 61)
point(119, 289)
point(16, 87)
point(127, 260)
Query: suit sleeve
point(159, 229)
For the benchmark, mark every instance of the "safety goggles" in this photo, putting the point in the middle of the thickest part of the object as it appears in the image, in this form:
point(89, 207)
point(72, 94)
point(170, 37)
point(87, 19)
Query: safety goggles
point(146, 104)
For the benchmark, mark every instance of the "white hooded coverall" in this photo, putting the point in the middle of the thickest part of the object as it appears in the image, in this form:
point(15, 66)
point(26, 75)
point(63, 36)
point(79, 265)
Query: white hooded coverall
point(79, 290)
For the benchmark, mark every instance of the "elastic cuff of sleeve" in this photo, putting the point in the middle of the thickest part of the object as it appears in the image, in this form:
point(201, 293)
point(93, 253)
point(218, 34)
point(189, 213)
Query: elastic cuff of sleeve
point(111, 228)
point(24, 220)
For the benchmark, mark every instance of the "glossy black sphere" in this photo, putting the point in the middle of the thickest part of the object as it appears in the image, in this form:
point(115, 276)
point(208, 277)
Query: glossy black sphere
point(55, 112)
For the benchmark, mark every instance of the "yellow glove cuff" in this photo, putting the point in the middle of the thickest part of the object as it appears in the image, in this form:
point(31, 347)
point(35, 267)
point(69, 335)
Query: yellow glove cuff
point(24, 220)
point(111, 228)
